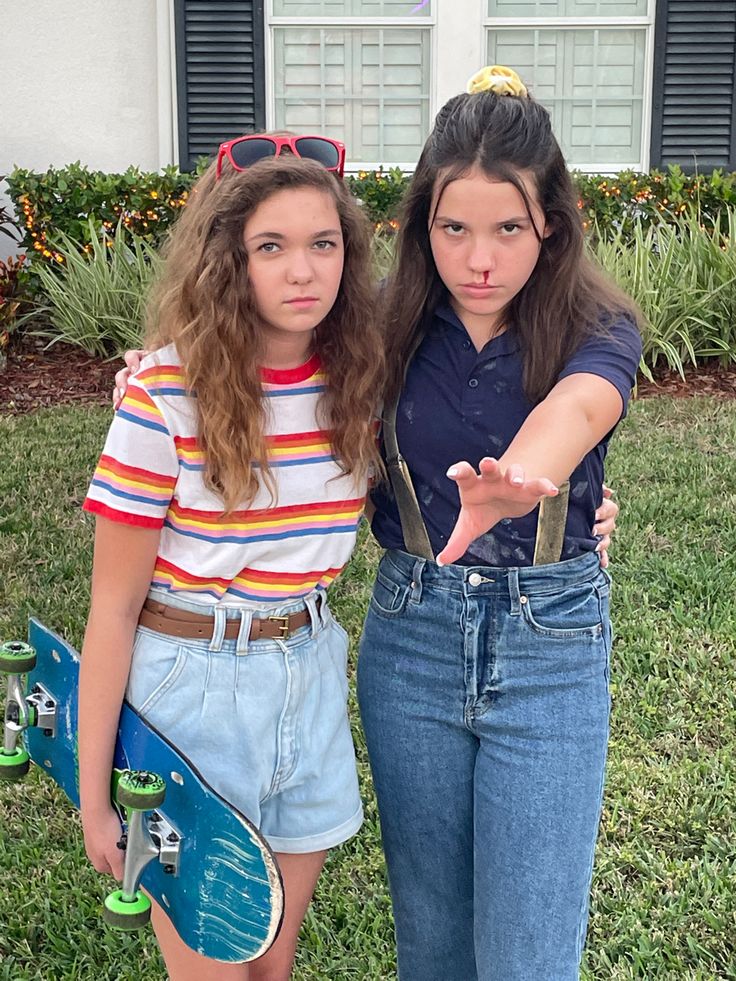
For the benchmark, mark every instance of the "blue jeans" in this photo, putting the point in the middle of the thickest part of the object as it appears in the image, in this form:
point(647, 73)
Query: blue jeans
point(484, 698)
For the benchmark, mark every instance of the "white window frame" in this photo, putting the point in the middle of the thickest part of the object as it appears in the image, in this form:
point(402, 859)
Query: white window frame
point(645, 21)
point(428, 22)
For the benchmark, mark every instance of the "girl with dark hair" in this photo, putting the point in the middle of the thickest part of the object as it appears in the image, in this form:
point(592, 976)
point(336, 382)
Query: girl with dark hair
point(232, 481)
point(484, 663)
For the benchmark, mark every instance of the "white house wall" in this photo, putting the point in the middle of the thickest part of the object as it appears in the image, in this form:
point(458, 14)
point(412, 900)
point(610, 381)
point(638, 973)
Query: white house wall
point(86, 80)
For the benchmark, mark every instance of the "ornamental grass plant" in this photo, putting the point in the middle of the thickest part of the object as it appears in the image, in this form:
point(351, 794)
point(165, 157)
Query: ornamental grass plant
point(95, 297)
point(66, 199)
point(384, 247)
point(683, 276)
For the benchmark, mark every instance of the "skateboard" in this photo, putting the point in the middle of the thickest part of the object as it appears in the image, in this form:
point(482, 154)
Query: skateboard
point(194, 853)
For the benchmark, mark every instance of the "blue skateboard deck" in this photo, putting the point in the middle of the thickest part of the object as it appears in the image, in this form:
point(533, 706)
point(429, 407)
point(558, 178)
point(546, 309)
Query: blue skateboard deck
point(225, 898)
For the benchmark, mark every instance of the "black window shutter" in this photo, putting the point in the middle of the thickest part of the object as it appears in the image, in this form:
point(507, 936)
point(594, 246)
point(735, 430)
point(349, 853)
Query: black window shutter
point(694, 98)
point(219, 72)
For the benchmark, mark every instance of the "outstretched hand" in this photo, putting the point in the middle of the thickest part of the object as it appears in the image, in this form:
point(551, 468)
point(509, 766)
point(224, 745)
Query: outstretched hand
point(486, 498)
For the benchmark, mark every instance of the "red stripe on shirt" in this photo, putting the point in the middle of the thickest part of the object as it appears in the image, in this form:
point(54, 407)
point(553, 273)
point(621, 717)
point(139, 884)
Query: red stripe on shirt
point(122, 517)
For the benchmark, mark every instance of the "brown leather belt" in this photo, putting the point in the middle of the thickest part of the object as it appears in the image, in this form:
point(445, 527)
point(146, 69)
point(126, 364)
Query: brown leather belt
point(181, 623)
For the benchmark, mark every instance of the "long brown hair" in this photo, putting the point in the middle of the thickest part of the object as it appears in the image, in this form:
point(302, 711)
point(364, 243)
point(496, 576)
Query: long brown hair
point(203, 305)
point(566, 297)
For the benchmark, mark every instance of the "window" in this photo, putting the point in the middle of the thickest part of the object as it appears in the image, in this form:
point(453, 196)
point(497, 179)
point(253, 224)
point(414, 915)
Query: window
point(373, 73)
point(357, 70)
point(589, 63)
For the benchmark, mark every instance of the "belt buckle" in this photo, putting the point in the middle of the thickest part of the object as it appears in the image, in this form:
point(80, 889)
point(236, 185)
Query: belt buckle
point(283, 625)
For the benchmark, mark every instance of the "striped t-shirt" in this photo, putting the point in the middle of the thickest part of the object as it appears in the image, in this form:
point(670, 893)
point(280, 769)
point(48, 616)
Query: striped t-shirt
point(150, 475)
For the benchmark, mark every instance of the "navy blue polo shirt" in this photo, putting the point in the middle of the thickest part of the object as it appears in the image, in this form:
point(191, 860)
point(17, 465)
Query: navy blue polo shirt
point(461, 404)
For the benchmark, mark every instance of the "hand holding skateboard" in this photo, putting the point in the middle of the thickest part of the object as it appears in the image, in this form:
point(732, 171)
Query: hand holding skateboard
point(194, 853)
point(102, 842)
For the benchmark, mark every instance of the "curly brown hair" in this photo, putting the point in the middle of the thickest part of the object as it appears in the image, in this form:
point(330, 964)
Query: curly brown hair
point(203, 305)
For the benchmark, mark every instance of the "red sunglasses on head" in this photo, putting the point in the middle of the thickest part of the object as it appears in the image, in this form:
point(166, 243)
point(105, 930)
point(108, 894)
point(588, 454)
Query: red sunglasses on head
point(244, 151)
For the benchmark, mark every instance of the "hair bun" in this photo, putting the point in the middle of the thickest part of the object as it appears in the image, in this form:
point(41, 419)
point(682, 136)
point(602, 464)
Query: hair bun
point(498, 79)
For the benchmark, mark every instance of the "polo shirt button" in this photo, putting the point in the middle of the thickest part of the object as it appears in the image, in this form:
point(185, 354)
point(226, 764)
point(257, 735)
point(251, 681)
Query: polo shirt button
point(474, 579)
point(473, 383)
point(466, 345)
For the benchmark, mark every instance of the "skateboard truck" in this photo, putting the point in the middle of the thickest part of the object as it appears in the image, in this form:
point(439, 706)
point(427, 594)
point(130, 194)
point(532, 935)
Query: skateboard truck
point(136, 792)
point(38, 708)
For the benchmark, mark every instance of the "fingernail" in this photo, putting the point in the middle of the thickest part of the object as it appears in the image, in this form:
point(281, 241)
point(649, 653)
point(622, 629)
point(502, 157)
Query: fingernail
point(452, 472)
point(440, 562)
point(517, 480)
point(598, 547)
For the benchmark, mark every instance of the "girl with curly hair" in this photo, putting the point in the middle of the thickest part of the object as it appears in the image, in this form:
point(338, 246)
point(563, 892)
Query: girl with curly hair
point(231, 484)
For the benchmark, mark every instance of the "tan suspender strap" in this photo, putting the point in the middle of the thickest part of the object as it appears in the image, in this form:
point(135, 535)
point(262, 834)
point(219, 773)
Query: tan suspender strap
point(415, 534)
point(551, 526)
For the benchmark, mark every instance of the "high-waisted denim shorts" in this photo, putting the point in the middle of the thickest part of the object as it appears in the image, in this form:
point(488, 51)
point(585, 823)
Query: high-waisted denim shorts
point(265, 722)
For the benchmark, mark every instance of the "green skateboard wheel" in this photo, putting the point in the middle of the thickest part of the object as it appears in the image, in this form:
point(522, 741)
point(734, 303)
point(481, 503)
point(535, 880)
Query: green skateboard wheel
point(16, 657)
point(127, 914)
point(15, 765)
point(140, 790)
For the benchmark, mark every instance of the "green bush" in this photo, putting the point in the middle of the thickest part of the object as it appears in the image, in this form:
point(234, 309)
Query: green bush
point(608, 203)
point(630, 200)
point(668, 238)
point(684, 278)
point(82, 204)
point(380, 194)
point(95, 298)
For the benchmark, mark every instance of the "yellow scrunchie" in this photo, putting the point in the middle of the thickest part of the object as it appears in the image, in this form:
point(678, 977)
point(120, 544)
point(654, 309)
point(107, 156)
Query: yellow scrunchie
point(498, 79)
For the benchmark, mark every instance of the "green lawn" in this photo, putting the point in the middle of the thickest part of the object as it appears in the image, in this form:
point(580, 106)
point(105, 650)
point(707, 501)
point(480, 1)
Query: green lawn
point(664, 902)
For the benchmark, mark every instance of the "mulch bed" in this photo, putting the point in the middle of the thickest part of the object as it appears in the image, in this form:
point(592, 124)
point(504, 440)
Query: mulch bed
point(709, 379)
point(35, 378)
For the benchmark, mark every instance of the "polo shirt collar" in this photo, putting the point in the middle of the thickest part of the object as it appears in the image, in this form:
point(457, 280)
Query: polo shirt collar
point(506, 343)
